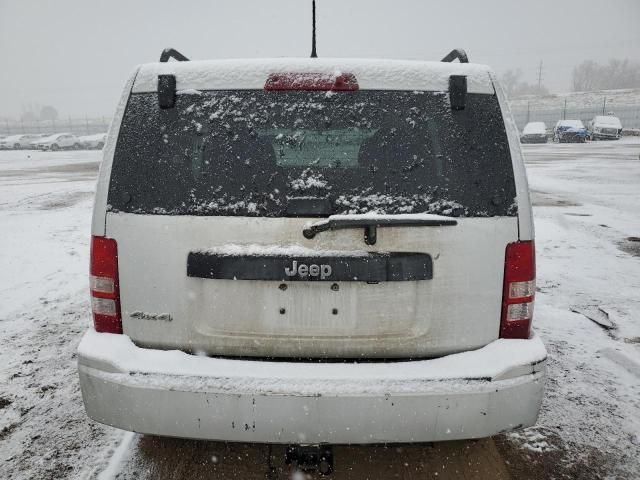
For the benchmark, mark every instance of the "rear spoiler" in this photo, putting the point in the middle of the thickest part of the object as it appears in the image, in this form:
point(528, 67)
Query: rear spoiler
point(457, 83)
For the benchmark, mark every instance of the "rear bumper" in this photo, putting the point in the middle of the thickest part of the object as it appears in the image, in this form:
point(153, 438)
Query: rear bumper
point(170, 393)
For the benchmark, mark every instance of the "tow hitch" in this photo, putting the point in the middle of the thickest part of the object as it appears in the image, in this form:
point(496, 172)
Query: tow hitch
point(310, 458)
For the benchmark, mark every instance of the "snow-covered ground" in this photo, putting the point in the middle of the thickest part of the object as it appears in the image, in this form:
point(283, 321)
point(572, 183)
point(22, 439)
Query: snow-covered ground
point(45, 204)
point(586, 206)
point(586, 201)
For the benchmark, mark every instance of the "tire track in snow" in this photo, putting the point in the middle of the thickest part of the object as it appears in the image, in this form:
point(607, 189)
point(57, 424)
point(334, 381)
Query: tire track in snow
point(119, 457)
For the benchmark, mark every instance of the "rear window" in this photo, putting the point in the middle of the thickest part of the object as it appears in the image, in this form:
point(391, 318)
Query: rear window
point(251, 153)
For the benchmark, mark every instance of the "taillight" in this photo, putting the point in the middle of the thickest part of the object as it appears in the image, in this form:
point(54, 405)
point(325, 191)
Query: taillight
point(338, 82)
point(519, 290)
point(105, 290)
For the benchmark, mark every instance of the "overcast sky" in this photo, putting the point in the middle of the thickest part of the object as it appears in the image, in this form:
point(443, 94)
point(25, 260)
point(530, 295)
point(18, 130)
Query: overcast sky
point(76, 54)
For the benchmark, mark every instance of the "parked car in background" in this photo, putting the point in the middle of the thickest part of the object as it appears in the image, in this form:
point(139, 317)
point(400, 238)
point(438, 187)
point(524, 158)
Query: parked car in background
point(605, 127)
point(93, 142)
point(570, 131)
point(58, 141)
point(5, 142)
point(36, 137)
point(534, 132)
point(17, 142)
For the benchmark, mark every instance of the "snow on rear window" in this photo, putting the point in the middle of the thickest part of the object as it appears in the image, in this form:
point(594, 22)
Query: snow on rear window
point(251, 153)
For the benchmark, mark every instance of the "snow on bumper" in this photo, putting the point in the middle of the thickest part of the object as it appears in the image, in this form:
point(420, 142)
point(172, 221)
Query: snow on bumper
point(467, 395)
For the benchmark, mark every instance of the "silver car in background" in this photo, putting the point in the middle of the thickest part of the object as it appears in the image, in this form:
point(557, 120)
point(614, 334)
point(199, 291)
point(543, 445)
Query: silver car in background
point(18, 142)
point(58, 141)
point(93, 142)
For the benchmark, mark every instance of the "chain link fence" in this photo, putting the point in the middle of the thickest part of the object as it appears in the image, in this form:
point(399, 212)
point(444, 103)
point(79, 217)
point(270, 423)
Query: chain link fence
point(629, 115)
point(523, 112)
point(76, 126)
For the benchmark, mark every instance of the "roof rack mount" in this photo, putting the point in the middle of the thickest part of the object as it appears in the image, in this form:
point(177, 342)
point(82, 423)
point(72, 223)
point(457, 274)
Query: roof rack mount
point(458, 53)
point(168, 53)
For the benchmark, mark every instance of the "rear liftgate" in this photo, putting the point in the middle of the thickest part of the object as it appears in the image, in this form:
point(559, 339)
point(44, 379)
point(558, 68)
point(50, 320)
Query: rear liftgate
point(371, 267)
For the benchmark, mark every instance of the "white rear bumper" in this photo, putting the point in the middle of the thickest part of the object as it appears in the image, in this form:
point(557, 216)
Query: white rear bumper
point(467, 395)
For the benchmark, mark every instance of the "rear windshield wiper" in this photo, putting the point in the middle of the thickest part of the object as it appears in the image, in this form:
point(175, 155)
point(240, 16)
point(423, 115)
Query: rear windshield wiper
point(372, 222)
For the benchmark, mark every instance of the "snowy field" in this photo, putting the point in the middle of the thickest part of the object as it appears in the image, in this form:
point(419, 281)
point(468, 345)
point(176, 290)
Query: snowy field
point(587, 215)
point(615, 99)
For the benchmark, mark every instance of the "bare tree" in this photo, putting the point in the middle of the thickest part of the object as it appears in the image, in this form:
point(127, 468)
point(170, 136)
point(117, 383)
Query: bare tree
point(585, 76)
point(515, 87)
point(616, 74)
point(29, 113)
point(48, 113)
point(28, 116)
point(510, 80)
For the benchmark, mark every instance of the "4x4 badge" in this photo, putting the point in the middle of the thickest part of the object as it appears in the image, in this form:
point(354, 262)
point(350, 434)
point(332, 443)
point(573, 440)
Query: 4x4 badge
point(304, 270)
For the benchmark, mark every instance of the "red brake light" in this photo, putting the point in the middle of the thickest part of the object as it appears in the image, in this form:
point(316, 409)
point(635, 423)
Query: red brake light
point(340, 82)
point(105, 291)
point(519, 290)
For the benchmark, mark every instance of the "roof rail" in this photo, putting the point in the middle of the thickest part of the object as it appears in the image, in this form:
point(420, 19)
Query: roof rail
point(458, 53)
point(168, 53)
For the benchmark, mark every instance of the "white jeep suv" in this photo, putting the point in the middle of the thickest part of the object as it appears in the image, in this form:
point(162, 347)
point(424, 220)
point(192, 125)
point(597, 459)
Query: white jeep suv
point(311, 251)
